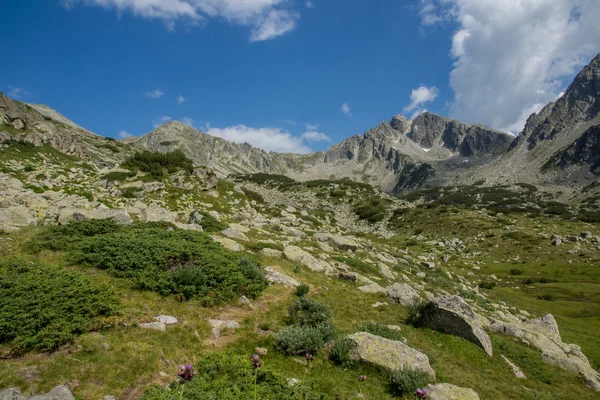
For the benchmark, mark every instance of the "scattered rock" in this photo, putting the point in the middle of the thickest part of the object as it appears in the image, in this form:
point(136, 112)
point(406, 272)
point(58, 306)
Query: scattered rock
point(167, 319)
point(58, 393)
point(385, 270)
point(157, 326)
point(296, 254)
point(271, 253)
point(234, 233)
point(430, 265)
point(261, 351)
point(274, 276)
point(388, 354)
point(447, 391)
point(156, 213)
point(402, 293)
point(379, 304)
point(343, 243)
point(218, 325)
point(373, 288)
point(452, 315)
point(228, 243)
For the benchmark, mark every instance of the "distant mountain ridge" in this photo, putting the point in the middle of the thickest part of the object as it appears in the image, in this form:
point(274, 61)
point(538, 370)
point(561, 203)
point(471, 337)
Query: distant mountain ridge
point(560, 146)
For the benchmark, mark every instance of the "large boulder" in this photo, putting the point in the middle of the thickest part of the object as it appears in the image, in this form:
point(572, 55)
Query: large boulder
point(402, 293)
point(16, 216)
point(228, 243)
point(452, 315)
point(542, 333)
point(388, 354)
point(234, 233)
point(343, 243)
point(58, 393)
point(446, 391)
point(296, 254)
point(156, 213)
point(67, 215)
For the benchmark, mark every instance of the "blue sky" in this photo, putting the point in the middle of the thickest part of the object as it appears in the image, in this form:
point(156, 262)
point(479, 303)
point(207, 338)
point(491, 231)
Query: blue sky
point(290, 75)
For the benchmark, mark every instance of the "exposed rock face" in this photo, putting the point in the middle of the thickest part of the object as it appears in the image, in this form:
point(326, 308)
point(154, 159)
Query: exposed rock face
point(446, 391)
point(452, 315)
point(402, 293)
point(73, 214)
point(389, 354)
point(542, 333)
point(58, 393)
point(228, 243)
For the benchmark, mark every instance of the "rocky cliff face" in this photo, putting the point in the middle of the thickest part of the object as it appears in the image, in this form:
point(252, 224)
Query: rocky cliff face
point(559, 145)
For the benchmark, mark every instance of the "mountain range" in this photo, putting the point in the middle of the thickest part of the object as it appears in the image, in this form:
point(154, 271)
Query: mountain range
point(559, 146)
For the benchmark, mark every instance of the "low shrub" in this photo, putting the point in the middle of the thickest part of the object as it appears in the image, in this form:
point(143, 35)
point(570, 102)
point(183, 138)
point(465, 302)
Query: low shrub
point(546, 297)
point(381, 330)
point(252, 195)
point(157, 258)
point(44, 307)
point(211, 224)
point(299, 340)
point(310, 327)
point(228, 376)
point(405, 381)
point(302, 290)
point(516, 271)
point(487, 285)
point(29, 168)
point(419, 313)
point(258, 246)
point(159, 164)
point(340, 352)
point(372, 210)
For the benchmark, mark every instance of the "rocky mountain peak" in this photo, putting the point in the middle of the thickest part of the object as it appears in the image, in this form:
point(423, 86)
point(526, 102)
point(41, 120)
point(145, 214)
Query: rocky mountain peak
point(400, 123)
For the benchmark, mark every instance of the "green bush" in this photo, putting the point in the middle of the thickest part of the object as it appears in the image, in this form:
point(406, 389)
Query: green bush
point(44, 307)
point(419, 313)
point(381, 330)
point(228, 376)
point(487, 285)
point(252, 195)
point(299, 340)
point(340, 352)
point(372, 210)
point(159, 164)
point(157, 258)
point(302, 290)
point(258, 246)
point(211, 224)
point(29, 168)
point(116, 176)
point(310, 327)
point(516, 271)
point(546, 297)
point(406, 381)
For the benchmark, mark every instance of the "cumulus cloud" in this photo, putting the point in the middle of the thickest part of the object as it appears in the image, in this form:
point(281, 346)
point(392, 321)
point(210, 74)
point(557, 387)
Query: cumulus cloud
point(161, 120)
point(310, 4)
point(311, 127)
point(155, 94)
point(315, 136)
point(421, 95)
point(17, 92)
point(124, 135)
point(268, 139)
point(266, 18)
point(346, 109)
point(513, 56)
point(181, 99)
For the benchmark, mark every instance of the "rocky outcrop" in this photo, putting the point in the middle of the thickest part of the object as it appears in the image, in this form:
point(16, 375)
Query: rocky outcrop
point(389, 354)
point(542, 333)
point(296, 254)
point(447, 391)
point(274, 276)
point(452, 315)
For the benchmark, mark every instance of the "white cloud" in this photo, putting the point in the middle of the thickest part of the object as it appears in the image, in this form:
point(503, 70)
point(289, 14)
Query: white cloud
point(275, 23)
point(266, 18)
point(310, 4)
point(124, 135)
point(346, 109)
point(17, 92)
point(181, 99)
point(161, 120)
point(268, 139)
point(188, 121)
point(315, 136)
point(290, 122)
point(155, 94)
point(512, 56)
point(311, 127)
point(421, 95)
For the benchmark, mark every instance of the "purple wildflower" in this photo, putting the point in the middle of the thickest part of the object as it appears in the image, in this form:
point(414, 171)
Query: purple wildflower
point(309, 357)
point(256, 363)
point(186, 373)
point(420, 393)
point(362, 378)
